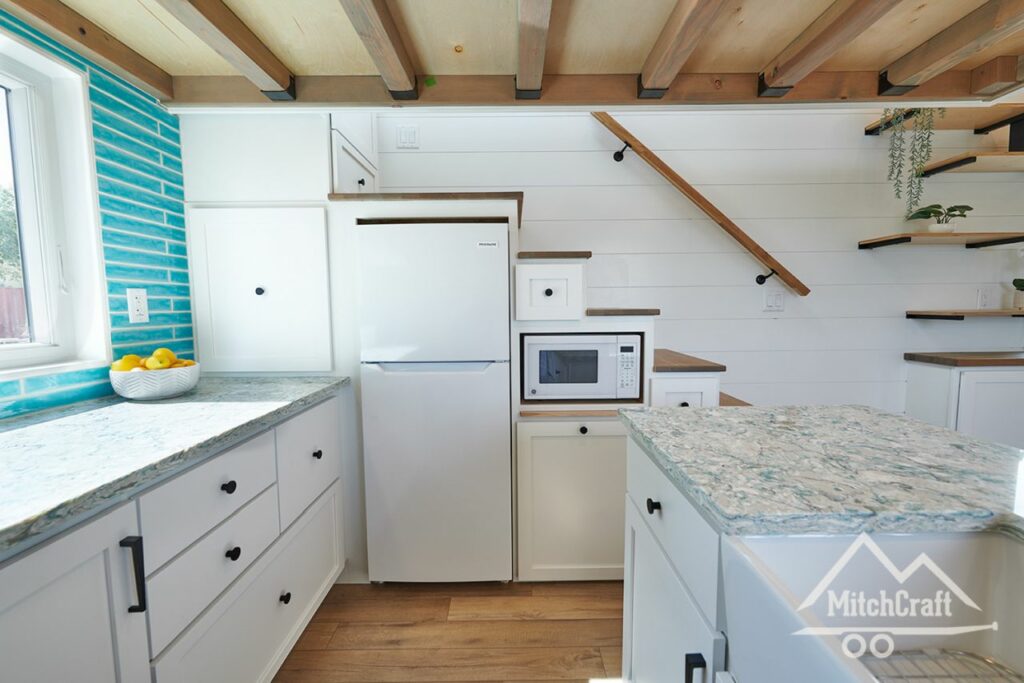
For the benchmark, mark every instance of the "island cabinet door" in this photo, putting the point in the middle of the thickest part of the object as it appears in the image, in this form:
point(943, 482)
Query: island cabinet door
point(990, 403)
point(64, 608)
point(665, 636)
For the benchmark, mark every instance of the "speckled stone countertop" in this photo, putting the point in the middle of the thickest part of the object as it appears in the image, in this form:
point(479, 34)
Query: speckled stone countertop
point(831, 470)
point(62, 466)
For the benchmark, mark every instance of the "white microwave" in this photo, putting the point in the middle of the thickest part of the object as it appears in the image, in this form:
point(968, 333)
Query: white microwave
point(581, 367)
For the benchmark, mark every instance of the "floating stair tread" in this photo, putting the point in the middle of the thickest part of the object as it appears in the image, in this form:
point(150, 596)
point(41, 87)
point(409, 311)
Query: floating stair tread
point(554, 254)
point(729, 401)
point(568, 413)
point(968, 359)
point(421, 196)
point(968, 313)
point(602, 312)
point(985, 162)
point(666, 360)
point(965, 238)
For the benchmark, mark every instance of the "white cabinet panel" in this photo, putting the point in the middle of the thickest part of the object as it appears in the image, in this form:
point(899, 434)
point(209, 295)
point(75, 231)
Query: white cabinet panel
point(571, 479)
point(357, 128)
point(64, 608)
point(990, 406)
point(549, 291)
point(308, 458)
point(232, 158)
point(261, 289)
point(351, 173)
point(685, 391)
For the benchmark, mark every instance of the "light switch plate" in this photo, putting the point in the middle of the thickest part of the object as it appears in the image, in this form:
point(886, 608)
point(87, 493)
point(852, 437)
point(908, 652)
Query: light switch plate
point(407, 137)
point(774, 300)
point(138, 306)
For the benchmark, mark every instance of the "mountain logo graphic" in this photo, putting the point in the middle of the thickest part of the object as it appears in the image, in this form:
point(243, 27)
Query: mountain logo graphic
point(900, 605)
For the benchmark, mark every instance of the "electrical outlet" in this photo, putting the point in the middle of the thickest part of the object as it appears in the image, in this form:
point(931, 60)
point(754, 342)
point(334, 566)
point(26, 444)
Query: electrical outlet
point(138, 306)
point(407, 137)
point(774, 300)
point(984, 298)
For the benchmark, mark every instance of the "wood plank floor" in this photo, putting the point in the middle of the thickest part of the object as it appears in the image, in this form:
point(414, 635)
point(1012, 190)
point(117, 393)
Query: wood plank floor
point(462, 633)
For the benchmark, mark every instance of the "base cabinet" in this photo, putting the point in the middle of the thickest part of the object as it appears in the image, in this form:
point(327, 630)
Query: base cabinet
point(64, 608)
point(571, 478)
point(665, 636)
point(247, 633)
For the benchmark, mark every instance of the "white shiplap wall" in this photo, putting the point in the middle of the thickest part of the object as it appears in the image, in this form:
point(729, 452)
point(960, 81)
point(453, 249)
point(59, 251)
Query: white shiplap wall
point(806, 184)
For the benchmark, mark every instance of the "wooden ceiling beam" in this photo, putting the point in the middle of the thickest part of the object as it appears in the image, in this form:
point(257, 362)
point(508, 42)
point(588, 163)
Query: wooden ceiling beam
point(837, 26)
point(996, 75)
point(377, 29)
point(215, 24)
point(534, 18)
point(979, 30)
point(686, 26)
point(67, 26)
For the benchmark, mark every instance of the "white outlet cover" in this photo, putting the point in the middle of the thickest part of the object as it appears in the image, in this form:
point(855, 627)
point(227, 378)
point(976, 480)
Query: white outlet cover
point(138, 306)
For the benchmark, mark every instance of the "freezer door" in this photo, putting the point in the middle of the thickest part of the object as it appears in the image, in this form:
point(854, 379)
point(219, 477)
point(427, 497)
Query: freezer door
point(438, 467)
point(434, 292)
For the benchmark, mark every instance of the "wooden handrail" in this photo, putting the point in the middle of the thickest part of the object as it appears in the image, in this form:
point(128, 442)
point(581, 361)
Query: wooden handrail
point(702, 202)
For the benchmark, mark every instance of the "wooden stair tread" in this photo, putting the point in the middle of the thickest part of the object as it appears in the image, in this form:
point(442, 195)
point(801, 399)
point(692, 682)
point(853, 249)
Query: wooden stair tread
point(954, 314)
point(599, 312)
point(666, 360)
point(968, 359)
point(730, 401)
point(554, 254)
point(420, 196)
point(978, 162)
point(968, 239)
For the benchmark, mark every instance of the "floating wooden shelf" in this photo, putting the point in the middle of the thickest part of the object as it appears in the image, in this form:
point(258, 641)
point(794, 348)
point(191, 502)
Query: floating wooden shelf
point(666, 360)
point(964, 314)
point(977, 162)
point(568, 413)
point(554, 254)
point(968, 359)
point(971, 240)
point(601, 312)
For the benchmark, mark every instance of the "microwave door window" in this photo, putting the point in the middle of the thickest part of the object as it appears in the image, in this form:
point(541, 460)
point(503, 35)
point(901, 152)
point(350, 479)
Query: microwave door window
point(568, 367)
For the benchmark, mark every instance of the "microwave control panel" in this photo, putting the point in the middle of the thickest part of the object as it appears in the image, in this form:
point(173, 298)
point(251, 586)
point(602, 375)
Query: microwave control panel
point(628, 367)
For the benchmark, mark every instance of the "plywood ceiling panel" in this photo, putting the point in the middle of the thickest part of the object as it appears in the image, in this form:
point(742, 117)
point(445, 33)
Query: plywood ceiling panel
point(148, 29)
point(908, 25)
point(749, 33)
point(603, 36)
point(485, 30)
point(312, 37)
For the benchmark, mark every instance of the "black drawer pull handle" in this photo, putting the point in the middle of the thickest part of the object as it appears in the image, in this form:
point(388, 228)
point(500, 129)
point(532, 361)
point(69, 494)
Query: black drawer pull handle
point(260, 291)
point(694, 660)
point(229, 487)
point(286, 597)
point(549, 292)
point(318, 454)
point(684, 404)
point(652, 505)
point(135, 544)
point(584, 430)
point(233, 554)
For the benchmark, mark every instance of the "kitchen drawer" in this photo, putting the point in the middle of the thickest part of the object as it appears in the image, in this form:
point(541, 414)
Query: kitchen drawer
point(184, 588)
point(174, 515)
point(686, 392)
point(689, 541)
point(308, 458)
point(246, 634)
point(549, 291)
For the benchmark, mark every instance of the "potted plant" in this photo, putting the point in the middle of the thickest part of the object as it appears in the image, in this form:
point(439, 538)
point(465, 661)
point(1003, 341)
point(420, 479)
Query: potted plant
point(942, 217)
point(1018, 293)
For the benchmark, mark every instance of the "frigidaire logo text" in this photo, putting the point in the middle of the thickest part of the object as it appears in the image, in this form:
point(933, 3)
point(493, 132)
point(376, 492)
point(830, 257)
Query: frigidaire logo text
point(899, 604)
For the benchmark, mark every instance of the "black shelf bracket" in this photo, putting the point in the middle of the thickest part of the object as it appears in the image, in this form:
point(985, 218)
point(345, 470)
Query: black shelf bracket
point(995, 242)
point(942, 168)
point(985, 130)
point(621, 154)
point(885, 124)
point(884, 243)
point(761, 279)
point(887, 88)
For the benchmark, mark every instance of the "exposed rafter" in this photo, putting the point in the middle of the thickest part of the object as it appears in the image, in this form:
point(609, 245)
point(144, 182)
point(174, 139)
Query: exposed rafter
point(979, 30)
point(995, 76)
point(837, 26)
point(534, 17)
point(377, 29)
point(215, 24)
point(69, 27)
point(688, 23)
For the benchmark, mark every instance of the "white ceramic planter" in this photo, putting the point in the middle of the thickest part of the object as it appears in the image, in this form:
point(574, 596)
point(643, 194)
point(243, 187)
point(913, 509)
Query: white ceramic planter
point(941, 227)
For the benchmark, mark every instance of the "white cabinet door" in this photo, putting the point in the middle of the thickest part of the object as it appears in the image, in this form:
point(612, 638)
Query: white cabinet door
point(990, 404)
point(664, 633)
point(351, 172)
point(684, 392)
point(64, 608)
point(261, 289)
point(571, 484)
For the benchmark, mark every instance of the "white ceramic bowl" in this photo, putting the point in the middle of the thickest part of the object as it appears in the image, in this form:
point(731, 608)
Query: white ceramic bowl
point(152, 385)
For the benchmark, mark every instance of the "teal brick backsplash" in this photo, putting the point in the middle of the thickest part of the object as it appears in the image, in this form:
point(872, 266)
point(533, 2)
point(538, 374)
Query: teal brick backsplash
point(142, 214)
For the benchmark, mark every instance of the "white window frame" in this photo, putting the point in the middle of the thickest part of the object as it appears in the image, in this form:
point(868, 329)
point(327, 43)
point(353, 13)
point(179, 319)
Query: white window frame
point(58, 217)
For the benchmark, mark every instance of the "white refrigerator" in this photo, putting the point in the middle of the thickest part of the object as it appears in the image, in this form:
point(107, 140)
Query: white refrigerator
point(434, 331)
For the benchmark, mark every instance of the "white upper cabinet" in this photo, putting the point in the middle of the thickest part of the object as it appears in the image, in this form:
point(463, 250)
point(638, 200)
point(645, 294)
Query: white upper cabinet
point(357, 127)
point(256, 158)
point(261, 289)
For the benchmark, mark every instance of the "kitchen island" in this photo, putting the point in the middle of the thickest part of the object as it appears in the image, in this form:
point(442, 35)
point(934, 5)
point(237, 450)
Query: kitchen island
point(733, 514)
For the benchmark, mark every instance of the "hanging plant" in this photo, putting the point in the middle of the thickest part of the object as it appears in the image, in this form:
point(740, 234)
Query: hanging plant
point(906, 162)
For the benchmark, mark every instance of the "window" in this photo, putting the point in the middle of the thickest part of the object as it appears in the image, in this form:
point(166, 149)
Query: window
point(50, 273)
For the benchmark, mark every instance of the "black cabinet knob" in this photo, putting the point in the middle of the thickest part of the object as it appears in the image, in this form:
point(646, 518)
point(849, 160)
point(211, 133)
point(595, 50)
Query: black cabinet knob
point(652, 505)
point(318, 454)
point(286, 597)
point(583, 429)
point(229, 487)
point(361, 181)
point(694, 660)
point(549, 292)
point(233, 554)
point(684, 404)
point(259, 291)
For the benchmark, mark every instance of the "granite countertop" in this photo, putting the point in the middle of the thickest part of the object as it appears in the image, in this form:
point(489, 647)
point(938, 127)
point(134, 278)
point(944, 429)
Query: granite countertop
point(62, 466)
point(969, 359)
point(831, 470)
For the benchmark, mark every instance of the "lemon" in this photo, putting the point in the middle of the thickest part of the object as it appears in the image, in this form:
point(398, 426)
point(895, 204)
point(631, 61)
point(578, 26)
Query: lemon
point(187, 363)
point(123, 366)
point(157, 363)
point(165, 354)
point(131, 359)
